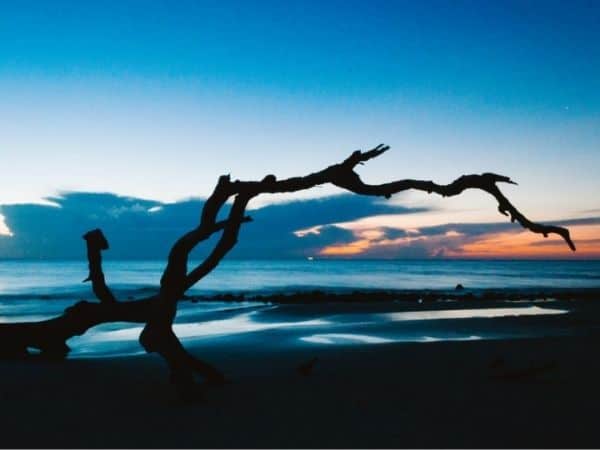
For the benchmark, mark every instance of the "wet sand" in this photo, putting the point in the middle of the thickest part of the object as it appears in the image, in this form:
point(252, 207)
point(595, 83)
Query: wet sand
point(539, 392)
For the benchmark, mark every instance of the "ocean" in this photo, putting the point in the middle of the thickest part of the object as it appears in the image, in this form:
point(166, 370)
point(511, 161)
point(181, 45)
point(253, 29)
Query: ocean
point(37, 290)
point(62, 279)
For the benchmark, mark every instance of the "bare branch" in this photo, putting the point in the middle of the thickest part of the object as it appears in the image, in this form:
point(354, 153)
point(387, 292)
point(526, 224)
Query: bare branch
point(50, 336)
point(158, 334)
point(343, 176)
point(96, 242)
point(226, 242)
point(176, 271)
point(159, 311)
point(485, 182)
point(359, 157)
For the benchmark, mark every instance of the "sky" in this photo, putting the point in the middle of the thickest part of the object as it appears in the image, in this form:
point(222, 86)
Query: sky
point(149, 102)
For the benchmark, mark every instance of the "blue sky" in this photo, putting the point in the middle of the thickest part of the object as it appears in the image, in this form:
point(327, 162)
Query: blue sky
point(156, 99)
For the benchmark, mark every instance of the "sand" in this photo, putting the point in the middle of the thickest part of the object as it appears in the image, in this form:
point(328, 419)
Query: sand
point(496, 393)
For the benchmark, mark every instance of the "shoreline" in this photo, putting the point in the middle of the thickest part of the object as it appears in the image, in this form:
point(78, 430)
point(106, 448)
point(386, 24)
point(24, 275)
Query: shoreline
point(350, 295)
point(310, 295)
point(503, 393)
point(534, 384)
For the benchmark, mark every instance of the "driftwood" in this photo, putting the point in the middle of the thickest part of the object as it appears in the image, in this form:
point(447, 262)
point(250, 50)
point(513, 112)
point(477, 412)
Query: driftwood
point(49, 337)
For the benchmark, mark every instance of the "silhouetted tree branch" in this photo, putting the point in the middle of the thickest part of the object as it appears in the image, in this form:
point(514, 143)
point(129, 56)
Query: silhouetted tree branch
point(158, 312)
point(96, 242)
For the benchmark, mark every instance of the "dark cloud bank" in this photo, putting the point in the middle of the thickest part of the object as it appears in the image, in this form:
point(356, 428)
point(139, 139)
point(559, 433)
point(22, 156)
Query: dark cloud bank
point(139, 228)
point(145, 229)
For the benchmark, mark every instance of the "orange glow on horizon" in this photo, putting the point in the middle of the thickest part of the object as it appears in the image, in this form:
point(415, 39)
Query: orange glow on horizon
point(525, 244)
point(519, 244)
point(353, 248)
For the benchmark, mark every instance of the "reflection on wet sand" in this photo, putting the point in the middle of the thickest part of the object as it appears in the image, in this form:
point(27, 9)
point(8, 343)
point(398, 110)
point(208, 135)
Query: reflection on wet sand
point(308, 326)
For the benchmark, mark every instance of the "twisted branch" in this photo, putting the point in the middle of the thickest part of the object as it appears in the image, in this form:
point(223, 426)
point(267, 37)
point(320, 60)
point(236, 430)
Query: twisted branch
point(96, 242)
point(158, 311)
point(344, 176)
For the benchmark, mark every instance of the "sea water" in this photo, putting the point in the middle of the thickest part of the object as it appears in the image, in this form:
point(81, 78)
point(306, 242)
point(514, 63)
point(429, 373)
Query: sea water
point(36, 290)
point(63, 278)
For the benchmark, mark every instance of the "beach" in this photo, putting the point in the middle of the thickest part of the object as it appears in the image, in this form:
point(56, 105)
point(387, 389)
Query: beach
point(302, 224)
point(504, 389)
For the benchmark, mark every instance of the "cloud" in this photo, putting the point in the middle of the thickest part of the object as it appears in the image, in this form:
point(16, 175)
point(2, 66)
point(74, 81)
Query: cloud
point(468, 240)
point(145, 229)
point(580, 243)
point(573, 222)
point(4, 230)
point(138, 228)
point(591, 211)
